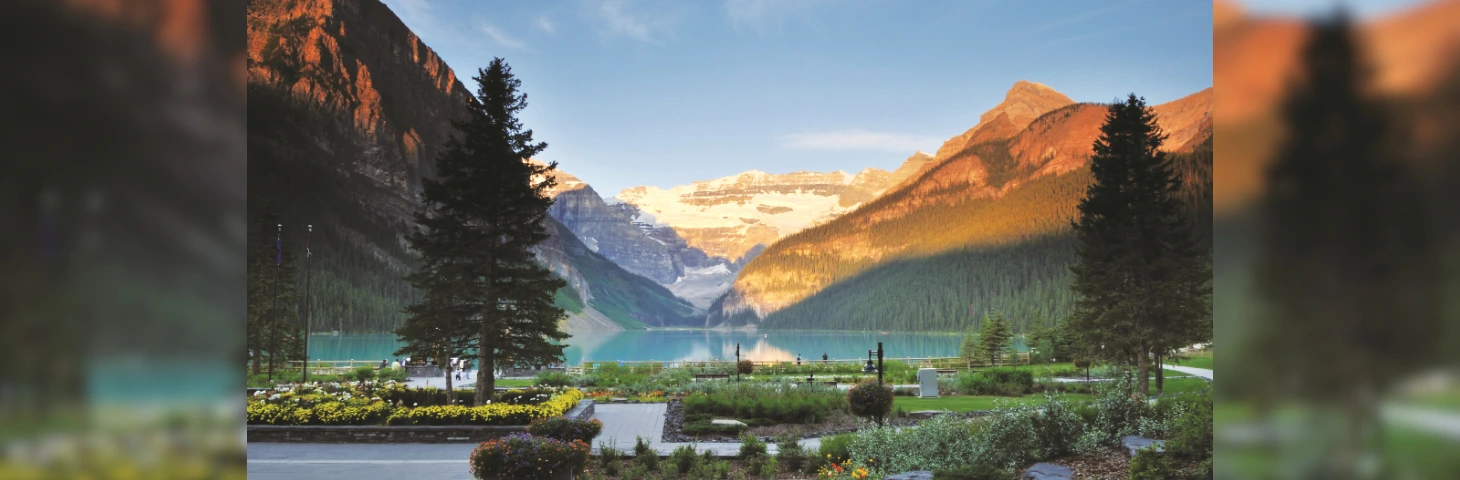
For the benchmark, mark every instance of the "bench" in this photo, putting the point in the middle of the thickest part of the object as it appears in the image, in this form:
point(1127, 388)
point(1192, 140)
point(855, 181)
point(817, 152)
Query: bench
point(701, 376)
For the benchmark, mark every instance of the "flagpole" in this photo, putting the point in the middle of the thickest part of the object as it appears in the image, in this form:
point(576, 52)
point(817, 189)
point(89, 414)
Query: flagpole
point(274, 322)
point(307, 254)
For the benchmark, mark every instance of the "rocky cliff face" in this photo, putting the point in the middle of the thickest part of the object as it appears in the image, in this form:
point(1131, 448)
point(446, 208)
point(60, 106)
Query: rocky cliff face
point(348, 110)
point(730, 216)
point(967, 186)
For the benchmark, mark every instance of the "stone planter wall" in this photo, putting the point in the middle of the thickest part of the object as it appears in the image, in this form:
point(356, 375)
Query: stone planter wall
point(396, 434)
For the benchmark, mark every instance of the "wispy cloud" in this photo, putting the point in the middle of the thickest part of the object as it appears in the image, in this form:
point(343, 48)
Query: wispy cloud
point(766, 16)
point(546, 24)
point(858, 140)
point(618, 19)
point(1083, 16)
point(500, 37)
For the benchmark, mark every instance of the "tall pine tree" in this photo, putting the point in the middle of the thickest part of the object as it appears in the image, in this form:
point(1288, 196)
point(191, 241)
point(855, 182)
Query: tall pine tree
point(273, 331)
point(1348, 266)
point(1143, 284)
point(995, 337)
point(484, 211)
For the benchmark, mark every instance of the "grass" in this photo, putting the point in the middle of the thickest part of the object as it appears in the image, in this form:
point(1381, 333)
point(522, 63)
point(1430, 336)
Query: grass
point(971, 403)
point(515, 382)
point(1201, 360)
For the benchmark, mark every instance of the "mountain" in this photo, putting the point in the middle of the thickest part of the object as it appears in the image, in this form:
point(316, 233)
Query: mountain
point(986, 227)
point(728, 217)
point(347, 110)
point(609, 230)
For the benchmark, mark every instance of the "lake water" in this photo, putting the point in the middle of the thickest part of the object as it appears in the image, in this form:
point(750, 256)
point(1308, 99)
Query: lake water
point(683, 345)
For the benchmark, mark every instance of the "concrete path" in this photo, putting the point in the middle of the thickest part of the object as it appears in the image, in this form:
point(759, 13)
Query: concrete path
point(1200, 372)
point(621, 424)
point(1438, 422)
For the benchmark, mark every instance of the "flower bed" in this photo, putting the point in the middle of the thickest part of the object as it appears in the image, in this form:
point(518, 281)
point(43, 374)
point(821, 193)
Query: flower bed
point(523, 456)
point(376, 404)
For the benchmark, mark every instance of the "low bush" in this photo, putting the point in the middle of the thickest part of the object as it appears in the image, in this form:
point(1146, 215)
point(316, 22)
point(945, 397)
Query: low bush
point(1007, 437)
point(751, 446)
point(977, 471)
point(905, 391)
point(645, 456)
point(1115, 412)
point(392, 373)
point(1004, 381)
point(554, 379)
point(609, 457)
point(939, 442)
point(683, 460)
point(1191, 437)
point(566, 429)
point(1148, 464)
point(764, 466)
point(790, 454)
point(870, 400)
point(584, 381)
point(745, 367)
point(1056, 427)
point(765, 403)
point(834, 449)
point(361, 373)
point(523, 456)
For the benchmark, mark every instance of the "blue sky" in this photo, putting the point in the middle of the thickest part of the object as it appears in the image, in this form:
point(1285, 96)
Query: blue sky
point(661, 92)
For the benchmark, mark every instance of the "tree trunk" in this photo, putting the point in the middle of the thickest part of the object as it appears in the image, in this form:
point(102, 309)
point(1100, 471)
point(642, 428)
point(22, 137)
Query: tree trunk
point(1143, 370)
point(450, 390)
point(1160, 376)
point(257, 361)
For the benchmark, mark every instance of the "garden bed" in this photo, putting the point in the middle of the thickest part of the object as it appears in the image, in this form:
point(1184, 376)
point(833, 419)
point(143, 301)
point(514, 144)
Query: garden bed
point(391, 404)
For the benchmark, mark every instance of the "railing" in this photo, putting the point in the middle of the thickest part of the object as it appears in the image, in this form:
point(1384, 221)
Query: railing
point(653, 366)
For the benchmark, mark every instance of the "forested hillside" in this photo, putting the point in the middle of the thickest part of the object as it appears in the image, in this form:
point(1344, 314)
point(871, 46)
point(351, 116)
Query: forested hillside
point(630, 300)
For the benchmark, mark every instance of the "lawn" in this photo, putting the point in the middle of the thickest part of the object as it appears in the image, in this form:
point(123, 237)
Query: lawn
point(1203, 361)
point(971, 403)
point(515, 382)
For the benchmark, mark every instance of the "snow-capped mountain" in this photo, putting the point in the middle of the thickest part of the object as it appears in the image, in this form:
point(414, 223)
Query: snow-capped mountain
point(727, 217)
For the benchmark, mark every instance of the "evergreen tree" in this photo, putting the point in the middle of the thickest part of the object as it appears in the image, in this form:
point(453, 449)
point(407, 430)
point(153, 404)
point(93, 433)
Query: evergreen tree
point(995, 338)
point(484, 211)
point(969, 348)
point(1141, 280)
point(273, 329)
point(1348, 265)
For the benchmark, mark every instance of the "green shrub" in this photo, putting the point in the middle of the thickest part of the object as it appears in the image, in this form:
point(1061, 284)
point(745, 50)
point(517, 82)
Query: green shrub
point(790, 453)
point(1148, 464)
point(566, 429)
point(745, 367)
point(554, 379)
point(392, 373)
point(765, 466)
point(582, 381)
point(943, 441)
point(363, 373)
point(977, 471)
point(763, 403)
point(684, 460)
point(527, 457)
point(1192, 435)
point(645, 456)
point(1115, 412)
point(1056, 428)
point(1007, 437)
point(609, 455)
point(870, 400)
point(834, 449)
point(751, 446)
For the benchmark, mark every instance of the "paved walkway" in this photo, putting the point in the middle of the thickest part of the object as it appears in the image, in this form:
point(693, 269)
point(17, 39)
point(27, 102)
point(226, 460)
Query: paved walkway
point(621, 425)
point(1200, 372)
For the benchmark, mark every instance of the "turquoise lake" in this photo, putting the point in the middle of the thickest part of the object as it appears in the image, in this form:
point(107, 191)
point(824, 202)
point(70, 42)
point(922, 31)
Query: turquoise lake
point(687, 345)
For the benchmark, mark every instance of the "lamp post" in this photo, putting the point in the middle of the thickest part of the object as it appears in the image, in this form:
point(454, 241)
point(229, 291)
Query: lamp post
point(737, 361)
point(308, 230)
point(274, 321)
